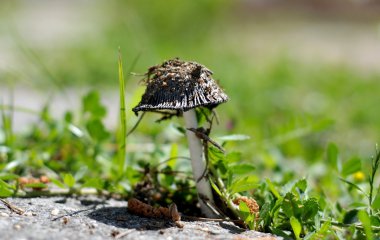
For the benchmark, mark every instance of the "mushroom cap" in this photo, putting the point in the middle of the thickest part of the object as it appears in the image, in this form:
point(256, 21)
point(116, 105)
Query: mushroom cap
point(179, 85)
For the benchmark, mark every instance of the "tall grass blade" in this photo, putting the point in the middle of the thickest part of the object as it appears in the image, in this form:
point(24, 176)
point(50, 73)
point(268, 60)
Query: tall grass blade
point(123, 120)
point(7, 119)
point(371, 179)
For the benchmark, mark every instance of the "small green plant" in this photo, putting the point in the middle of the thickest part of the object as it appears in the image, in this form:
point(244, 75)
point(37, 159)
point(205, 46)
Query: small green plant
point(363, 215)
point(74, 152)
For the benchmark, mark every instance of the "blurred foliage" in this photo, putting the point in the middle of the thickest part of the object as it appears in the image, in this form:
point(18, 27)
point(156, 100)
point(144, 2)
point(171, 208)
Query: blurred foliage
point(282, 90)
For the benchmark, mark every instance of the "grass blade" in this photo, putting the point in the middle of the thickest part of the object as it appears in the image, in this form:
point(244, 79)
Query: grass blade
point(366, 221)
point(6, 119)
point(296, 226)
point(123, 119)
point(353, 185)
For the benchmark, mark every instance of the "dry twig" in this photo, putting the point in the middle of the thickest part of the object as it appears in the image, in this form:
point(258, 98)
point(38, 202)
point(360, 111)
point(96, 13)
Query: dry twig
point(12, 207)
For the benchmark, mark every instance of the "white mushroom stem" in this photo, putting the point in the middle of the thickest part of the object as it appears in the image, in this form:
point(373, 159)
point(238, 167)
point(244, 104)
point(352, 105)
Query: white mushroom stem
point(198, 164)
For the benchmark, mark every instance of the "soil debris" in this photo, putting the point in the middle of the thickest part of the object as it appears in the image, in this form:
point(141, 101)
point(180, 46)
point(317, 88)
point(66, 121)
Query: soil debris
point(251, 204)
point(137, 207)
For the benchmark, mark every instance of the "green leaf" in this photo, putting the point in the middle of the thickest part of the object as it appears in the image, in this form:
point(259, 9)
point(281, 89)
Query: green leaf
point(332, 155)
point(215, 155)
point(57, 183)
point(279, 232)
point(243, 207)
point(245, 213)
point(351, 166)
point(375, 221)
point(233, 157)
point(5, 189)
point(291, 205)
point(376, 202)
point(301, 185)
point(352, 185)
point(243, 184)
point(273, 189)
point(180, 129)
point(235, 137)
point(94, 183)
point(277, 207)
point(322, 232)
point(36, 185)
point(68, 117)
point(339, 207)
point(213, 185)
point(296, 226)
point(167, 179)
point(265, 211)
point(202, 115)
point(173, 155)
point(69, 180)
point(230, 178)
point(311, 208)
point(91, 103)
point(350, 216)
point(8, 176)
point(97, 130)
point(358, 205)
point(366, 222)
point(5, 192)
point(242, 169)
point(243, 187)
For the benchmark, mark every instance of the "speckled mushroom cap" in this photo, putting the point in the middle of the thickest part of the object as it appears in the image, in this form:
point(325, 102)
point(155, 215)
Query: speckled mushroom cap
point(180, 85)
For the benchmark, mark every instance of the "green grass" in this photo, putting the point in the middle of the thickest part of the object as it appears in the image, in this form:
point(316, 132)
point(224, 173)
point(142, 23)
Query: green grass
point(123, 121)
point(313, 127)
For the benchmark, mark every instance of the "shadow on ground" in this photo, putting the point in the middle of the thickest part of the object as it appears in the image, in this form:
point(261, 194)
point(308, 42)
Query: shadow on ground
point(119, 217)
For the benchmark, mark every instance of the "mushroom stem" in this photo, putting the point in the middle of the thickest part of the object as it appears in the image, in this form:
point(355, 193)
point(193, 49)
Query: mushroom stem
point(198, 164)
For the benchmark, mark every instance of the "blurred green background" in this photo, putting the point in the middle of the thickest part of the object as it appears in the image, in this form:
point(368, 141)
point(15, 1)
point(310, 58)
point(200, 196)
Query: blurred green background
point(299, 74)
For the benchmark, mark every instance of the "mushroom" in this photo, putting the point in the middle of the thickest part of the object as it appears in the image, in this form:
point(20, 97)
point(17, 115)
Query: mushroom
point(182, 86)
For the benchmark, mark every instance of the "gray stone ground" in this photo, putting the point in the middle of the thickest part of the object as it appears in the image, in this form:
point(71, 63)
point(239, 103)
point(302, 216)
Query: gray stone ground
point(94, 218)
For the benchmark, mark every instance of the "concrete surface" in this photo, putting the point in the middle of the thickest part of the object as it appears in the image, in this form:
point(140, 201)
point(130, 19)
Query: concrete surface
point(94, 218)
